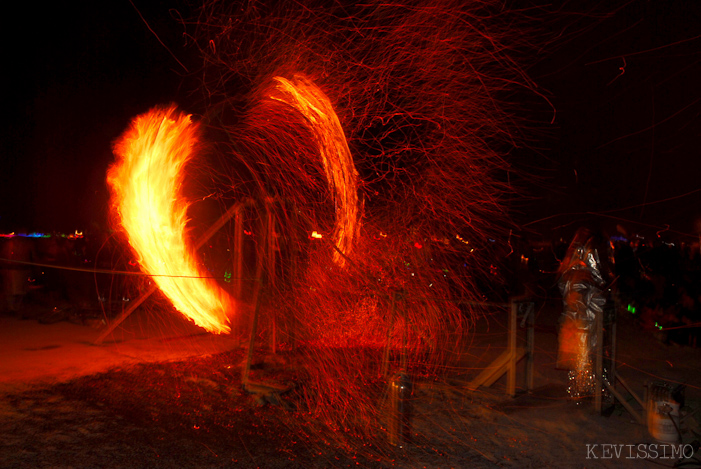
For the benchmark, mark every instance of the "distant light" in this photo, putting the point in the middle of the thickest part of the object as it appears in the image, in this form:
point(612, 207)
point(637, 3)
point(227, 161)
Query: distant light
point(317, 235)
point(460, 238)
point(23, 235)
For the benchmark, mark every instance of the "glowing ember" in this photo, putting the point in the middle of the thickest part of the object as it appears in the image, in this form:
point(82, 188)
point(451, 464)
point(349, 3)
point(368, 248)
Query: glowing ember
point(145, 185)
point(308, 99)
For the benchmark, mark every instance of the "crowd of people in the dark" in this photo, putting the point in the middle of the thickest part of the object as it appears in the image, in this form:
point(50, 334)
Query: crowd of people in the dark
point(660, 283)
point(54, 277)
point(655, 281)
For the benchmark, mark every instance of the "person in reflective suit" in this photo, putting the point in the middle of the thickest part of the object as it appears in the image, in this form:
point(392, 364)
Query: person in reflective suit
point(582, 283)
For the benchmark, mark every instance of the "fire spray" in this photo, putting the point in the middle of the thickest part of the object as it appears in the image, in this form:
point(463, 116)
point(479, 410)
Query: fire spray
point(147, 204)
point(393, 115)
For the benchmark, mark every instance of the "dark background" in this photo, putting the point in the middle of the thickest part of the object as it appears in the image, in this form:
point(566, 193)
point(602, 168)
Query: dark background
point(76, 73)
point(623, 77)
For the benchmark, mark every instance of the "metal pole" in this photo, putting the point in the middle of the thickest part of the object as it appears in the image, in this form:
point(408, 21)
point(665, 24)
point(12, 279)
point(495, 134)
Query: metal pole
point(238, 253)
point(252, 337)
point(530, 345)
point(598, 372)
point(612, 372)
point(270, 253)
point(270, 240)
point(385, 358)
point(260, 253)
point(511, 371)
point(405, 337)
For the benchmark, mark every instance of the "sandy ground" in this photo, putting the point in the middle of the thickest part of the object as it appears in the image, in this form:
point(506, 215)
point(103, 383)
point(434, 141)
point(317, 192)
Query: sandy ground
point(36, 353)
point(64, 403)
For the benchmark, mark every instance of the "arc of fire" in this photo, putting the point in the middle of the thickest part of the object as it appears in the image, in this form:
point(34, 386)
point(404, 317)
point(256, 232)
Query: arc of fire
point(342, 178)
point(145, 184)
point(146, 179)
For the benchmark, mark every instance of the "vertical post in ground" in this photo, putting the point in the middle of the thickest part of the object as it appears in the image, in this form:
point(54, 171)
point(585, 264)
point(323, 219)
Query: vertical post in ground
point(238, 255)
point(271, 261)
point(612, 320)
point(252, 337)
point(599, 362)
point(392, 312)
point(511, 371)
point(530, 345)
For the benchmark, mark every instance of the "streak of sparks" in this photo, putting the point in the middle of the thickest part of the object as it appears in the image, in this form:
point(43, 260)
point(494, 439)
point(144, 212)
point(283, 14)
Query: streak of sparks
point(145, 183)
point(422, 92)
point(304, 96)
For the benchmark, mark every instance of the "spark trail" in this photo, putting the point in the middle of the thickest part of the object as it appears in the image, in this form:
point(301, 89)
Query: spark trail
point(422, 100)
point(145, 183)
point(308, 99)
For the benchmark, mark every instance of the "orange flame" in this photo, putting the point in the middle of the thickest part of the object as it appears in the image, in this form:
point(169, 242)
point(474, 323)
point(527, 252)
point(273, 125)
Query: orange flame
point(145, 183)
point(342, 178)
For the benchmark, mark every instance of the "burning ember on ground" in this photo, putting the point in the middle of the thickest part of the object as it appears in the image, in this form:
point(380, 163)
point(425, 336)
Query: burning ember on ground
point(145, 183)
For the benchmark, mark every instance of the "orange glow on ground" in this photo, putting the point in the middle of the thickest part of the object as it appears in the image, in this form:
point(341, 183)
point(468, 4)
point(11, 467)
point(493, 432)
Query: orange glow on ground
point(145, 183)
point(342, 178)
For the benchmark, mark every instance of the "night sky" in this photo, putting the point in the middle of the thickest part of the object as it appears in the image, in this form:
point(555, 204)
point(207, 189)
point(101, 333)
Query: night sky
point(624, 77)
point(626, 89)
point(77, 73)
